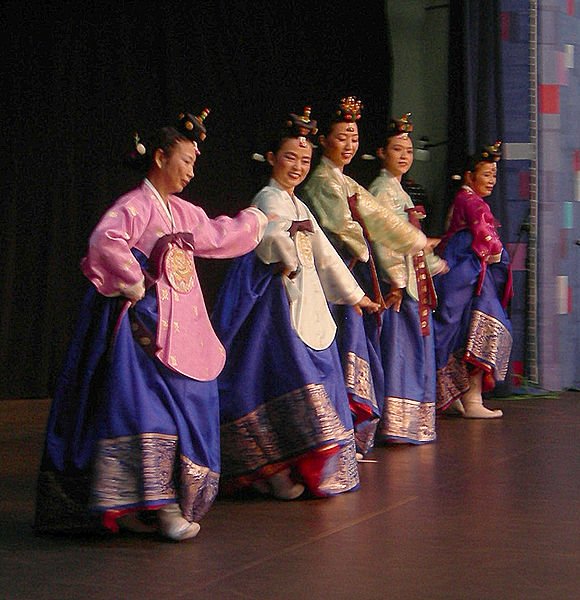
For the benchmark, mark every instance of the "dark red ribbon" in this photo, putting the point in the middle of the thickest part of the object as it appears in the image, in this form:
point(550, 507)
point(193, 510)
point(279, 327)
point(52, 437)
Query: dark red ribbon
point(378, 297)
point(426, 291)
point(305, 225)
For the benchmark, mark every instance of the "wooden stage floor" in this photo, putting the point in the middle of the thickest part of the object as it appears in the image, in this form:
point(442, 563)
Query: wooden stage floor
point(491, 510)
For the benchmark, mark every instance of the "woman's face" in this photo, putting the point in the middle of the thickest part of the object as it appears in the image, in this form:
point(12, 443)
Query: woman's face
point(341, 144)
point(397, 155)
point(175, 168)
point(291, 163)
point(482, 179)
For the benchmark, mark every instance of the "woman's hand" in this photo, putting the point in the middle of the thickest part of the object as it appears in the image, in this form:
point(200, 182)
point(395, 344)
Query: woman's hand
point(135, 292)
point(431, 244)
point(491, 259)
point(394, 299)
point(367, 305)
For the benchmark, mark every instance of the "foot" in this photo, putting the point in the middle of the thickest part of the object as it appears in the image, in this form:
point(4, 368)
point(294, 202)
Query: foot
point(131, 522)
point(476, 410)
point(283, 488)
point(174, 526)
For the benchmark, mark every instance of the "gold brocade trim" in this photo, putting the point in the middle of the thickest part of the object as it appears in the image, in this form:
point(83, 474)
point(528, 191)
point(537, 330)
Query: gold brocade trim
point(364, 435)
point(357, 377)
point(344, 476)
point(281, 428)
point(452, 381)
point(142, 469)
point(304, 249)
point(490, 342)
point(198, 489)
point(410, 419)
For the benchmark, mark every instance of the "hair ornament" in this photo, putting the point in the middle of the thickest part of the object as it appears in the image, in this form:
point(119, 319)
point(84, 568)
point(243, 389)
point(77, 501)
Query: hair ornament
point(349, 110)
point(301, 126)
point(491, 153)
point(400, 127)
point(192, 126)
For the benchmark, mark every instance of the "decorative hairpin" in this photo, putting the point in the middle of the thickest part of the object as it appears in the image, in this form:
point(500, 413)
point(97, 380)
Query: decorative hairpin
point(139, 147)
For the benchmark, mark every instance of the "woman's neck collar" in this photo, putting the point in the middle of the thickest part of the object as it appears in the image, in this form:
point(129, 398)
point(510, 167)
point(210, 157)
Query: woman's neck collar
point(332, 164)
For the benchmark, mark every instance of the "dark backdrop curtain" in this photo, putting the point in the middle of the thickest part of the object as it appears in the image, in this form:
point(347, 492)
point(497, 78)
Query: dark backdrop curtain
point(475, 97)
point(77, 81)
point(475, 102)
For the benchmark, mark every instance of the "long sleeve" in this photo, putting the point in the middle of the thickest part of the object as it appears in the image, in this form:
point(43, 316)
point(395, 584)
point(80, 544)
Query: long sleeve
point(473, 213)
point(109, 263)
point(384, 226)
point(226, 237)
point(327, 198)
point(276, 246)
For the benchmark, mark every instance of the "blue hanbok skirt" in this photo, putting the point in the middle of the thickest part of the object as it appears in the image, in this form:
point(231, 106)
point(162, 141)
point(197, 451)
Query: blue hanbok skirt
point(471, 330)
point(357, 342)
point(408, 360)
point(125, 433)
point(282, 403)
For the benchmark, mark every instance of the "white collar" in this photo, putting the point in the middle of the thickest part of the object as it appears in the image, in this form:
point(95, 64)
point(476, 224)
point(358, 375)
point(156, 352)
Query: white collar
point(333, 166)
point(160, 200)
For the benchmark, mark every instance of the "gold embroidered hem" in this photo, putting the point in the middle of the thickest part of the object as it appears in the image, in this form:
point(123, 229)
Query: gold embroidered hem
point(282, 428)
point(408, 419)
point(141, 470)
point(365, 433)
point(490, 343)
point(357, 377)
point(452, 381)
point(344, 476)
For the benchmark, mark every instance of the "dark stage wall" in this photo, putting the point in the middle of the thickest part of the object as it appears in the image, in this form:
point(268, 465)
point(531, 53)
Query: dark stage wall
point(78, 81)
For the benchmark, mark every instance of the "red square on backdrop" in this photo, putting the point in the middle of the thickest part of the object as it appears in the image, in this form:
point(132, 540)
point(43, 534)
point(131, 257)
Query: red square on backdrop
point(576, 160)
point(524, 185)
point(549, 97)
point(570, 7)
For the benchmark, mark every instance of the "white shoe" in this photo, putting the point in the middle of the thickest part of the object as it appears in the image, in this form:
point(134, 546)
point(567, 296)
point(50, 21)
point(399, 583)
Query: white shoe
point(359, 456)
point(283, 487)
point(174, 526)
point(476, 410)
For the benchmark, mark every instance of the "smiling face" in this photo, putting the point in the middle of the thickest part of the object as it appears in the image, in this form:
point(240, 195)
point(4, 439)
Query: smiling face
point(290, 163)
point(397, 155)
point(172, 170)
point(482, 179)
point(341, 143)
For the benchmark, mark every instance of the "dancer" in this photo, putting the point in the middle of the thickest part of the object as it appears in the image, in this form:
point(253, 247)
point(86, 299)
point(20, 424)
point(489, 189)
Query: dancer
point(406, 342)
point(286, 425)
point(352, 217)
point(134, 423)
point(472, 329)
